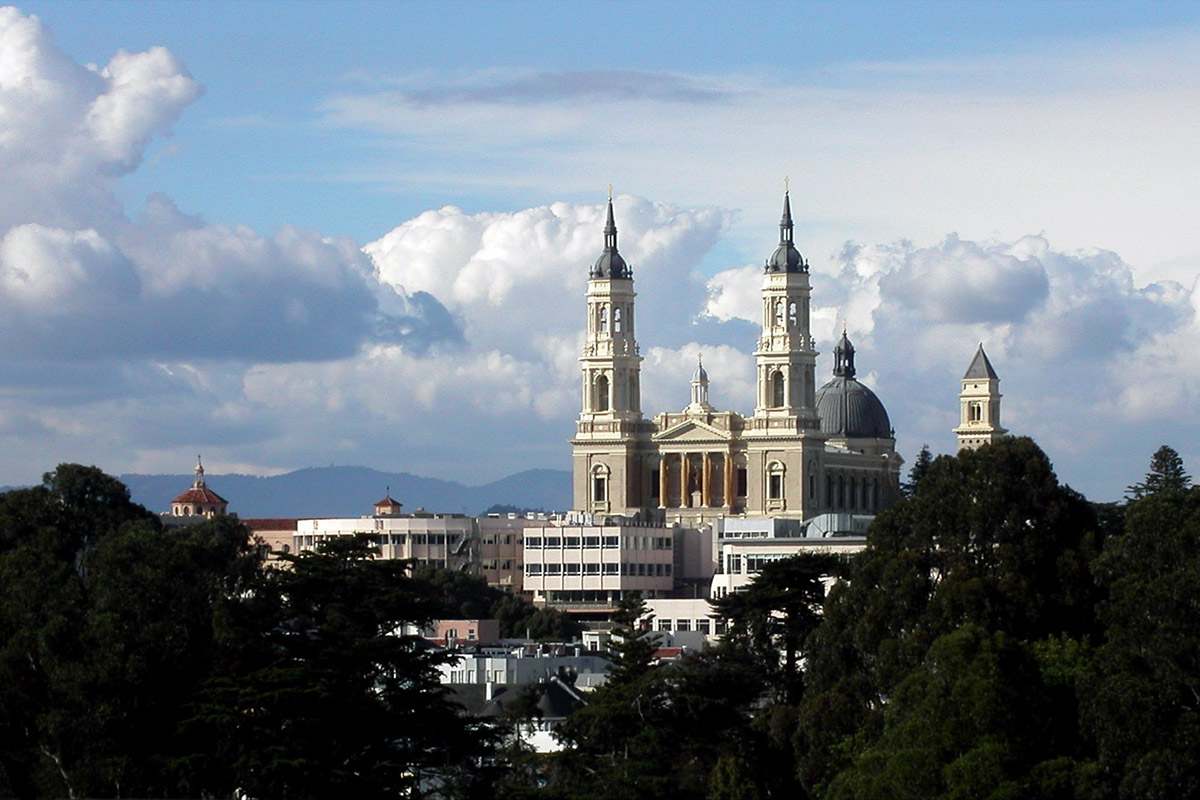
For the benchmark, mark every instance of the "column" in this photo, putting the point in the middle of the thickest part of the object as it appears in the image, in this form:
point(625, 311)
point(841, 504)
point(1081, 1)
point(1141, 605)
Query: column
point(729, 479)
point(705, 489)
point(662, 481)
point(683, 480)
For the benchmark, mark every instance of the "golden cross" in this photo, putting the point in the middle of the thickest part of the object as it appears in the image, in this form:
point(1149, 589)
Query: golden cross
point(786, 183)
point(610, 191)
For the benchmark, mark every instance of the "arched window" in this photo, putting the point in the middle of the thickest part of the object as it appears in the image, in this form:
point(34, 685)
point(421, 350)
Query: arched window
point(604, 319)
point(779, 313)
point(777, 389)
point(775, 481)
point(602, 393)
point(617, 320)
point(792, 322)
point(600, 484)
point(975, 412)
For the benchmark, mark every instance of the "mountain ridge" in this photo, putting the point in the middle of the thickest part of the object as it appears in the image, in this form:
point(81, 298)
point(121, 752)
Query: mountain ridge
point(351, 491)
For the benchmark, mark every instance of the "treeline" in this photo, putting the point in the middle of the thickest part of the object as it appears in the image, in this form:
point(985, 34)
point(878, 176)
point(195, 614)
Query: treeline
point(999, 637)
point(142, 662)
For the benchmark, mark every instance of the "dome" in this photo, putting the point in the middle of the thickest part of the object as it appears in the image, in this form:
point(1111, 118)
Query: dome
point(610, 264)
point(700, 375)
point(786, 258)
point(848, 408)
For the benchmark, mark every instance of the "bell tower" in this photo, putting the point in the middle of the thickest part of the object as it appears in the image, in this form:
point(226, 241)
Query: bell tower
point(785, 357)
point(611, 362)
point(979, 405)
point(610, 417)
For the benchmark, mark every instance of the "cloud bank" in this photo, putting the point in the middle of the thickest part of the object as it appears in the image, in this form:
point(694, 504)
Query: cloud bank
point(449, 346)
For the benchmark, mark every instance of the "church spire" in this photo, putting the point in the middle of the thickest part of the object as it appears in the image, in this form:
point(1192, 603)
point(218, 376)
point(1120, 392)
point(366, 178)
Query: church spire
point(785, 222)
point(786, 257)
point(610, 265)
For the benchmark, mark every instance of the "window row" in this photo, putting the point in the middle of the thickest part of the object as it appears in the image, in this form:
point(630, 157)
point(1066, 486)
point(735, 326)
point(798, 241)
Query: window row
point(753, 563)
point(716, 626)
point(598, 542)
point(623, 569)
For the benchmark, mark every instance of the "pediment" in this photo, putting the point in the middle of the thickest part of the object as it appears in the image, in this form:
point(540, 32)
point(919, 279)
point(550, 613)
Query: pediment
point(692, 430)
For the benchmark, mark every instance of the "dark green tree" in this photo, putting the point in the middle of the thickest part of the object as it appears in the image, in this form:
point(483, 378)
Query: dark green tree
point(1141, 696)
point(990, 539)
point(337, 699)
point(919, 470)
point(969, 721)
point(775, 615)
point(107, 632)
point(1166, 475)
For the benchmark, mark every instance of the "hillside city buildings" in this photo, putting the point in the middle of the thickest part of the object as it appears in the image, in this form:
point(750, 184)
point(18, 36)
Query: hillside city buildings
point(683, 505)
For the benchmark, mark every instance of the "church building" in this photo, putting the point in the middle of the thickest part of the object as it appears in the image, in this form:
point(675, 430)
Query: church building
point(804, 450)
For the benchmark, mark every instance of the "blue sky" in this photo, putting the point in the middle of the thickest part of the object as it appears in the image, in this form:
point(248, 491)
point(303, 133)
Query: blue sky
point(182, 265)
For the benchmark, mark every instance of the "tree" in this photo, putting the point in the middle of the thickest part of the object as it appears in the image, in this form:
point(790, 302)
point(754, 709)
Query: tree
point(776, 614)
point(919, 470)
point(1140, 696)
point(1166, 475)
point(107, 631)
point(990, 539)
point(336, 699)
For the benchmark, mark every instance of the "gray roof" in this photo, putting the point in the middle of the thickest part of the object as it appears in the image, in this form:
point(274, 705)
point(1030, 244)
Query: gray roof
point(786, 257)
point(610, 265)
point(981, 367)
point(848, 408)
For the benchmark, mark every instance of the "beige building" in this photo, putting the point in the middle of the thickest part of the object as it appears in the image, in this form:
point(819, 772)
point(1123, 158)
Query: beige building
point(803, 450)
point(979, 405)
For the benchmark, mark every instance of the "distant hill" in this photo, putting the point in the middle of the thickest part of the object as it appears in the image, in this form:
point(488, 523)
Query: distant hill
point(352, 492)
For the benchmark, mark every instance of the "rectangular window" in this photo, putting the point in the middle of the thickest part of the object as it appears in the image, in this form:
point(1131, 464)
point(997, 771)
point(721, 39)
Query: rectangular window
point(664, 624)
point(533, 542)
point(419, 538)
point(775, 486)
point(599, 489)
point(572, 569)
point(553, 569)
point(683, 625)
point(719, 627)
point(741, 481)
point(591, 543)
point(533, 569)
point(612, 542)
point(702, 625)
point(641, 570)
point(655, 483)
point(571, 541)
point(553, 541)
point(591, 569)
point(735, 564)
point(612, 569)
point(437, 538)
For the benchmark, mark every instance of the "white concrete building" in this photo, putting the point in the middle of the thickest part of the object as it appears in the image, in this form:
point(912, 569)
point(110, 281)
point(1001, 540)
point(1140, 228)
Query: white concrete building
point(587, 567)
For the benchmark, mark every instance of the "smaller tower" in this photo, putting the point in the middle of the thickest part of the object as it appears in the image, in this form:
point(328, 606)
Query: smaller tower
point(199, 501)
point(699, 404)
point(387, 507)
point(979, 405)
